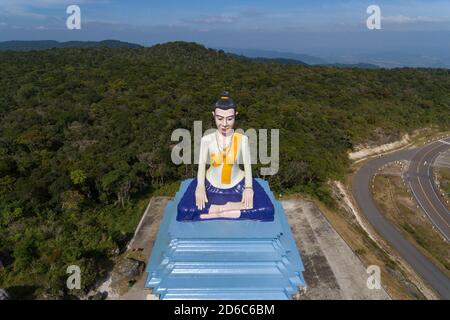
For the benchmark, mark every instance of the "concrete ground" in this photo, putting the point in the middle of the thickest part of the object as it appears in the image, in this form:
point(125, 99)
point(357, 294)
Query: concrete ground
point(332, 270)
point(143, 241)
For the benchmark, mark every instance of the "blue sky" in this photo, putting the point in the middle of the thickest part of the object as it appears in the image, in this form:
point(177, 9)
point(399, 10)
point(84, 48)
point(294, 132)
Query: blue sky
point(204, 15)
point(320, 27)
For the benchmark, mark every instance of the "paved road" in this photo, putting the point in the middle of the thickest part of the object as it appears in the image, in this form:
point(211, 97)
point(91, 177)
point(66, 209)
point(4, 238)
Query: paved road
point(438, 280)
point(420, 181)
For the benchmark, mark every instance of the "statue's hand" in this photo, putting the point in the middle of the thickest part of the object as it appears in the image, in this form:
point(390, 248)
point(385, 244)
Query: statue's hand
point(247, 198)
point(200, 197)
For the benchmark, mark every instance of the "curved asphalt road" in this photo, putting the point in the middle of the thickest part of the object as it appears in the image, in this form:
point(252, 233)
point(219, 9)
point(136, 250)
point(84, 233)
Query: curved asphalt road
point(438, 280)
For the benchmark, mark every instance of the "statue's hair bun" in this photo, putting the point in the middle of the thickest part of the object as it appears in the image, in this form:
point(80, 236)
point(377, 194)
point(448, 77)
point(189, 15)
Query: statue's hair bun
point(225, 102)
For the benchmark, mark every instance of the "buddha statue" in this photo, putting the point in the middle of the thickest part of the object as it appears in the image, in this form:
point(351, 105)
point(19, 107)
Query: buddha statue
point(225, 191)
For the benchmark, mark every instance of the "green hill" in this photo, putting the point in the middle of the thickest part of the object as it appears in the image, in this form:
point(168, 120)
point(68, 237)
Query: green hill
point(49, 44)
point(84, 133)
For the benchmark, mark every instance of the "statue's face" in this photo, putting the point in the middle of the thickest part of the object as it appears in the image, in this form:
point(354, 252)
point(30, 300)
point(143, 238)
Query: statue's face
point(224, 120)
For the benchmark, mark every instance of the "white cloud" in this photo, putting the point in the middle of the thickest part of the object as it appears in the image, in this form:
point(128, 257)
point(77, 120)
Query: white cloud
point(217, 19)
point(251, 12)
point(401, 19)
point(44, 3)
point(26, 8)
point(10, 8)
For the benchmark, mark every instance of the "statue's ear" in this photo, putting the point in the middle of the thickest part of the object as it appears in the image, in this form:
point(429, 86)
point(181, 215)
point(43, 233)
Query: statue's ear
point(236, 113)
point(213, 113)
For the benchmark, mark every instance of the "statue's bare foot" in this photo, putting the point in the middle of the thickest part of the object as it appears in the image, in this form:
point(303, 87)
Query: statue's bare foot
point(231, 214)
point(234, 206)
point(229, 206)
point(228, 210)
point(215, 208)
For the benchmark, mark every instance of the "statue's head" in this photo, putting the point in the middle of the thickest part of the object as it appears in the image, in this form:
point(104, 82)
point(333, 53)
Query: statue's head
point(224, 113)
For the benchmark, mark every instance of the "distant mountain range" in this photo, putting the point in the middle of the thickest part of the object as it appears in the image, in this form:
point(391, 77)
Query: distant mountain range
point(352, 65)
point(294, 61)
point(49, 44)
point(398, 59)
point(293, 58)
point(258, 55)
point(268, 54)
point(366, 61)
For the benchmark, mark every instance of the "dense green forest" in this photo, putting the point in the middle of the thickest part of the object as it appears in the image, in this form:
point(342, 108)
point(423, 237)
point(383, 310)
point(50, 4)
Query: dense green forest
point(49, 44)
point(85, 133)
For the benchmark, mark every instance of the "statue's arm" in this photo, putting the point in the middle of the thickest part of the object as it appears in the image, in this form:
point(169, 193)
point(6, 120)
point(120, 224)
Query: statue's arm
point(247, 161)
point(200, 192)
point(203, 156)
point(247, 195)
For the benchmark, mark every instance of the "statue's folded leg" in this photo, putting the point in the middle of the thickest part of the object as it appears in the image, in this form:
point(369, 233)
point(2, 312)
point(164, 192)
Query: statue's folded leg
point(187, 209)
point(263, 208)
point(227, 210)
point(225, 203)
point(231, 214)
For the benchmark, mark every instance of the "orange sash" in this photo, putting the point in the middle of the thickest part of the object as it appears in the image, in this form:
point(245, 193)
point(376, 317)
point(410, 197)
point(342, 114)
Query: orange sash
point(227, 158)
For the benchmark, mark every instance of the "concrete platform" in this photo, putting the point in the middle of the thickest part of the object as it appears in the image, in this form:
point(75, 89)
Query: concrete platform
point(332, 270)
point(224, 259)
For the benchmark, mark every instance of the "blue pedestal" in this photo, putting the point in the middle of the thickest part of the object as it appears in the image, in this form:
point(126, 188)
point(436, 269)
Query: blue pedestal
point(224, 259)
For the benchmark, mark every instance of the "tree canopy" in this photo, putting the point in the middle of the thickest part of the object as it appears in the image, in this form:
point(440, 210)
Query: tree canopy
point(84, 132)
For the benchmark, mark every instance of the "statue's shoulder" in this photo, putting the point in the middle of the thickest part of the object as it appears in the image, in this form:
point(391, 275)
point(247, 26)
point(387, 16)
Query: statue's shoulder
point(241, 136)
point(208, 137)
